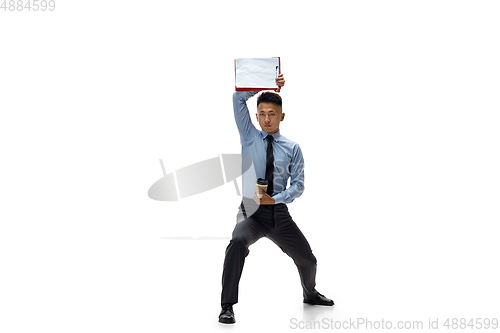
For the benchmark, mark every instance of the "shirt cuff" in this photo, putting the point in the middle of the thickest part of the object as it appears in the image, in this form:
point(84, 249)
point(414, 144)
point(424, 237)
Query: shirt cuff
point(279, 198)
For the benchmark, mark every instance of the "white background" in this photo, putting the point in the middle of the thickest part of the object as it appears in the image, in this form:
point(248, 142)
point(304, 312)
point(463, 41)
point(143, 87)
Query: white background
point(394, 103)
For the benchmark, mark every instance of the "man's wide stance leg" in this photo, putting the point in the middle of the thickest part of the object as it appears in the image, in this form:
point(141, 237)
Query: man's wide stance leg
point(245, 234)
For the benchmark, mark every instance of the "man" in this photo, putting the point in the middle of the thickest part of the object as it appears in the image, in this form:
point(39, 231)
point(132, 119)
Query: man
point(276, 159)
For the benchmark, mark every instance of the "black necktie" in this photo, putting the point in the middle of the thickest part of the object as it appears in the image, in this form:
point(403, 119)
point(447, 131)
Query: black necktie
point(270, 164)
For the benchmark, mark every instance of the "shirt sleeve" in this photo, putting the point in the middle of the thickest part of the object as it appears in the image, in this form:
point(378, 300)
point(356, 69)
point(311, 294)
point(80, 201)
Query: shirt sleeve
point(296, 187)
point(242, 116)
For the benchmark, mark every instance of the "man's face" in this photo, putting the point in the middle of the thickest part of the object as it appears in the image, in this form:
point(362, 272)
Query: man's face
point(269, 116)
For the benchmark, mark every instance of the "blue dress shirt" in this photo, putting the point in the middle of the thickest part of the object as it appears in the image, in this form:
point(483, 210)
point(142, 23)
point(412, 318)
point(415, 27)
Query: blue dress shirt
point(288, 159)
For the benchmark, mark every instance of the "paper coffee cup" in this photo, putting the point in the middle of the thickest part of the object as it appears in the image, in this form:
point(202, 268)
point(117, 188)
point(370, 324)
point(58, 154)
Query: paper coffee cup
point(261, 184)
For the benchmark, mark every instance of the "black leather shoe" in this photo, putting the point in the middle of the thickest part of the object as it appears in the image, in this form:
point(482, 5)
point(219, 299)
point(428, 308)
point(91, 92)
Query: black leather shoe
point(319, 300)
point(227, 314)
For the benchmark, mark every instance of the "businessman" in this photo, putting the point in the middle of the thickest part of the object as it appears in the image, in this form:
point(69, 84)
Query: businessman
point(276, 159)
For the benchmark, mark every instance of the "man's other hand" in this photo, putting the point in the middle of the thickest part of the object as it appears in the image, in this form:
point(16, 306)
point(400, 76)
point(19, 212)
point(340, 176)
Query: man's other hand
point(280, 82)
point(265, 200)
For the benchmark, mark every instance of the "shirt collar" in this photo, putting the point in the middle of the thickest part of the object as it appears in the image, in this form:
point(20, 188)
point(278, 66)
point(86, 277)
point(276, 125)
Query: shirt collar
point(275, 136)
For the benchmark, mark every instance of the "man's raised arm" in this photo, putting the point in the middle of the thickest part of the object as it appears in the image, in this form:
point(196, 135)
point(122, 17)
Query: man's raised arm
point(242, 116)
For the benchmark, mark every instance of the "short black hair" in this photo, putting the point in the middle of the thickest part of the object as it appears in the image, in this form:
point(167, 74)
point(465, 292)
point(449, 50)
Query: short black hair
point(269, 97)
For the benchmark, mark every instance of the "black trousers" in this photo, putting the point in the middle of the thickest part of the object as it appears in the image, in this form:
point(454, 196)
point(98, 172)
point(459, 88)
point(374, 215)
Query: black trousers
point(275, 223)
